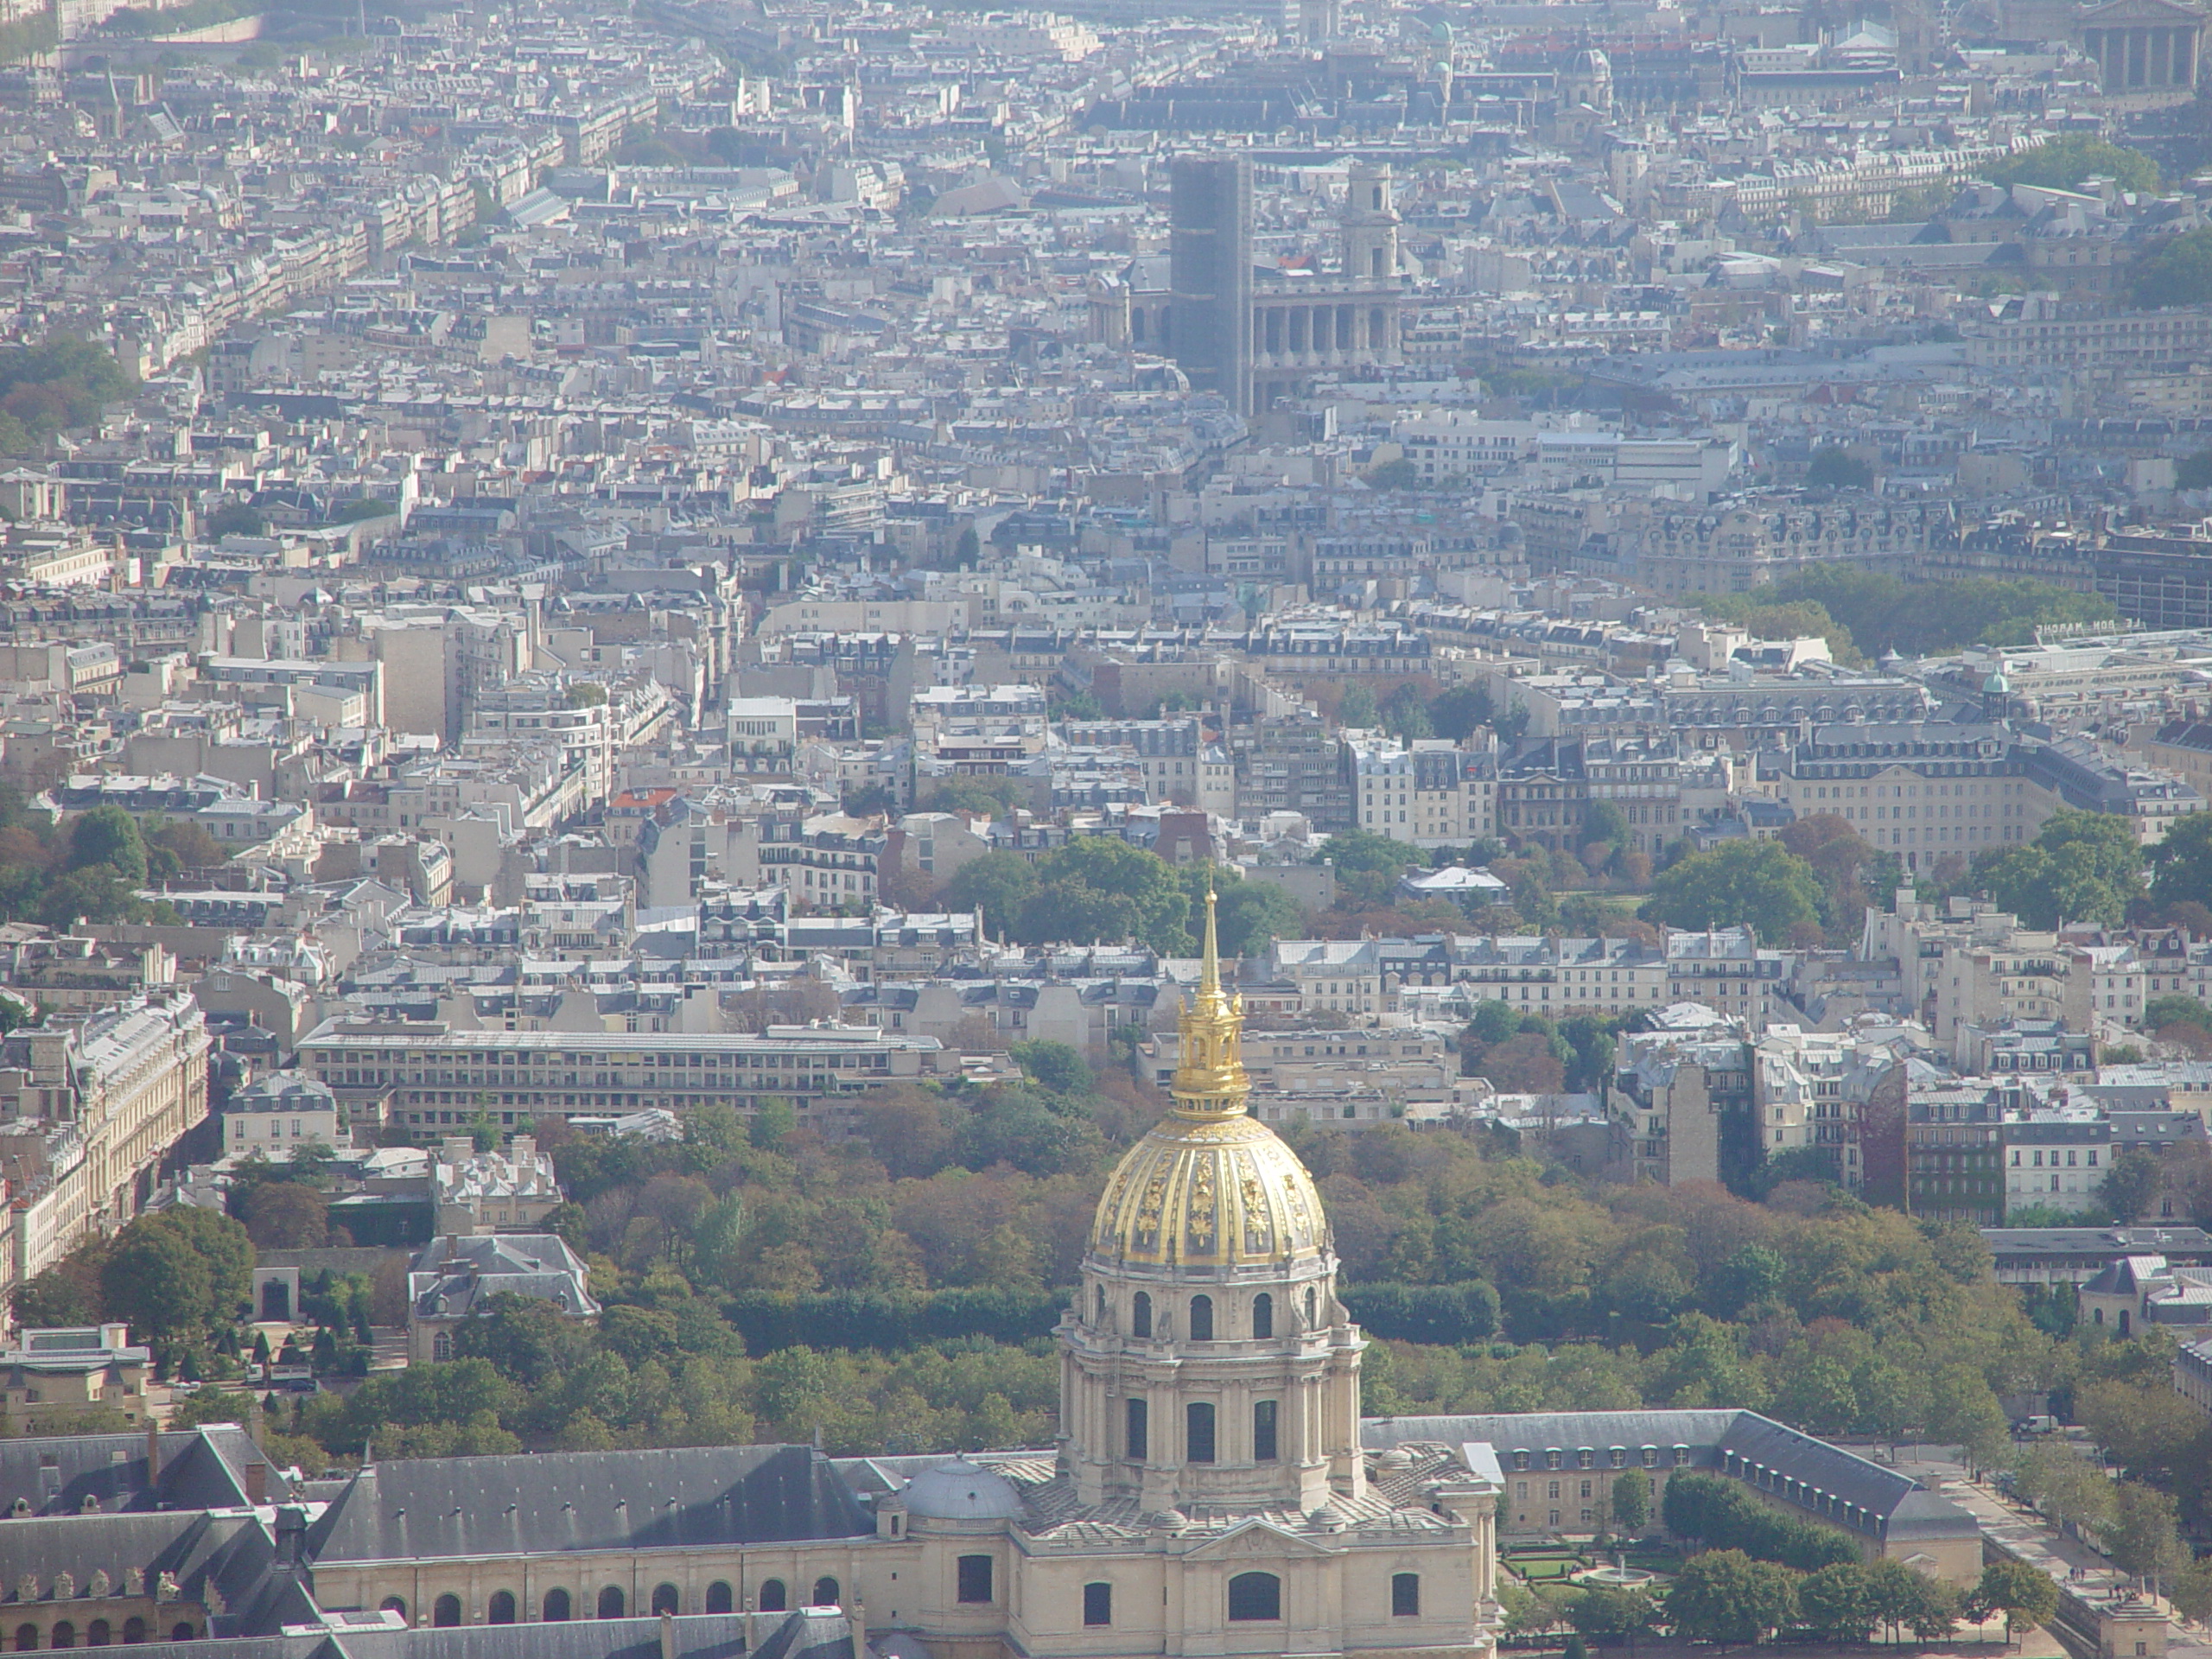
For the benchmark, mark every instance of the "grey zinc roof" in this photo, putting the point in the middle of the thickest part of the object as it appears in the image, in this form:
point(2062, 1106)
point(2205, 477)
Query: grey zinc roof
point(1567, 1431)
point(1711, 1437)
point(201, 1469)
point(813, 1633)
point(552, 1502)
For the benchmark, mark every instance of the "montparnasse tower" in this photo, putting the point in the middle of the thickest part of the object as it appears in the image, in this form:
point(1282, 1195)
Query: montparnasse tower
point(1207, 1362)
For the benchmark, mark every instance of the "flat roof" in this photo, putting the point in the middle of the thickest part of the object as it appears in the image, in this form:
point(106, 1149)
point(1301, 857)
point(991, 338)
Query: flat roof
point(2099, 1242)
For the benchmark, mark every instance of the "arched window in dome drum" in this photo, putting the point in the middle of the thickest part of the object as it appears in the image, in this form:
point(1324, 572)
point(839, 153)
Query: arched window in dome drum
point(1313, 1308)
point(1140, 1443)
point(773, 1599)
point(1100, 1317)
point(1141, 1316)
point(719, 1598)
point(1264, 1316)
point(1201, 1319)
point(825, 1593)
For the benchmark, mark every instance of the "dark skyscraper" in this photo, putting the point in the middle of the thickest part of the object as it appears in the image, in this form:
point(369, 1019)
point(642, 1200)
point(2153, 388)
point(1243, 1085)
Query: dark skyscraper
point(1210, 260)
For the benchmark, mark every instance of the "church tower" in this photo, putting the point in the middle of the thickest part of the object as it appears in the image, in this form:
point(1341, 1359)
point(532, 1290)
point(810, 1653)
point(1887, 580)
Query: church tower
point(1207, 1363)
point(1370, 224)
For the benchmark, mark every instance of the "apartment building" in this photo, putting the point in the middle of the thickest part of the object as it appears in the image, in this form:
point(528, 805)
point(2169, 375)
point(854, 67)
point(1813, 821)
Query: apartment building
point(1429, 792)
point(439, 1076)
point(87, 1114)
point(1177, 763)
point(1925, 790)
point(1955, 1150)
point(1672, 1092)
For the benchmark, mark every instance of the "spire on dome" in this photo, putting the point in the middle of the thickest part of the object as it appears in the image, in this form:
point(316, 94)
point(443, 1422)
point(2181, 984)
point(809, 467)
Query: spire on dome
point(1210, 965)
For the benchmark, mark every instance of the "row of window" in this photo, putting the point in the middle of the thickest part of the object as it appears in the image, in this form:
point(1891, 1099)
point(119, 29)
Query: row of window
point(1252, 1597)
point(558, 1607)
point(98, 1634)
point(1201, 1313)
point(1617, 1458)
point(1198, 1440)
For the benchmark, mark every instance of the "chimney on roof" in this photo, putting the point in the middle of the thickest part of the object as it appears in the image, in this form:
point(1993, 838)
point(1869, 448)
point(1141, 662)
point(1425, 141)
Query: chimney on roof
point(256, 1483)
point(668, 1636)
point(291, 1535)
point(153, 1455)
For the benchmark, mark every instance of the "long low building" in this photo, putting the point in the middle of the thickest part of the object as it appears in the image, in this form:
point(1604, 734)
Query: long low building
point(1559, 1469)
point(438, 1076)
point(2073, 1256)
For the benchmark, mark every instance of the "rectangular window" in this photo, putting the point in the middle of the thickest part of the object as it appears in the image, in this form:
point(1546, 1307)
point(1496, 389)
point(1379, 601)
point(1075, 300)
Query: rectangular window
point(1197, 1433)
point(975, 1575)
point(1139, 1449)
point(1263, 1432)
point(1404, 1595)
point(1098, 1603)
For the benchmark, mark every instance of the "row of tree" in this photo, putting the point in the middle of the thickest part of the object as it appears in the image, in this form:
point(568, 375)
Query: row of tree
point(1865, 614)
point(1730, 1598)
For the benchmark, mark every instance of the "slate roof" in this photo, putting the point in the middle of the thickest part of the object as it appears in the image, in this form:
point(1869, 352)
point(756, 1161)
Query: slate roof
point(547, 1504)
point(811, 1633)
point(1711, 1438)
point(201, 1469)
point(453, 1275)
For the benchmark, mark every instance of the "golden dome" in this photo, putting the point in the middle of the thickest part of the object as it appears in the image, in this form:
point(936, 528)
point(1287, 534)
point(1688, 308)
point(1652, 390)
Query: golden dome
point(1216, 1191)
point(1210, 1186)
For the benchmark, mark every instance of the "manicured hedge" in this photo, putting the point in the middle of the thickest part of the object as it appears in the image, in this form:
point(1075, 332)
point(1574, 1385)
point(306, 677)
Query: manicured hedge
point(1723, 1515)
point(770, 1320)
point(1440, 1313)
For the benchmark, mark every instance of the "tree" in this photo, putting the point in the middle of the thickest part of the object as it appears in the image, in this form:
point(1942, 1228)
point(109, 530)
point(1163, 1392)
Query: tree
point(2143, 1538)
point(2130, 1186)
point(109, 835)
point(2177, 273)
point(1249, 915)
point(68, 1293)
point(1100, 889)
point(1759, 884)
point(2082, 866)
point(2161, 1011)
point(156, 1282)
point(1367, 864)
point(906, 1128)
point(1523, 1066)
point(2062, 163)
point(1632, 1501)
point(1459, 711)
point(1606, 1613)
point(1356, 707)
point(287, 1216)
point(1055, 1065)
point(1724, 1596)
point(1963, 1410)
point(2180, 868)
point(773, 1119)
point(1838, 1604)
point(2013, 1588)
point(995, 884)
point(236, 518)
point(1834, 467)
point(2191, 1591)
